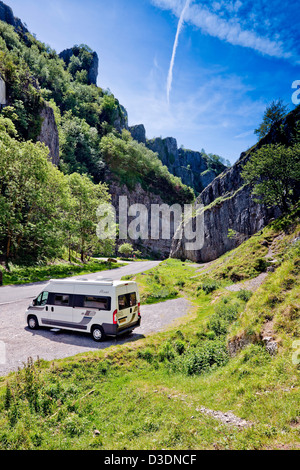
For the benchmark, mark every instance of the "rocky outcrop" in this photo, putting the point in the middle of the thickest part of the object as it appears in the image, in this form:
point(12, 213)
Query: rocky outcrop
point(235, 212)
point(228, 205)
point(121, 118)
point(92, 68)
point(138, 133)
point(191, 166)
point(7, 15)
point(49, 133)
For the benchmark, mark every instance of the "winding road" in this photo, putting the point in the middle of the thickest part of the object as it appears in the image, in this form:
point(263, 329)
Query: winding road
point(18, 343)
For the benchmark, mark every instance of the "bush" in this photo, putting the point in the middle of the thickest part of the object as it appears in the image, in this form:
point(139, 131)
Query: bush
point(179, 347)
point(126, 249)
point(244, 295)
point(225, 314)
point(209, 285)
point(145, 354)
point(260, 265)
point(203, 358)
point(166, 352)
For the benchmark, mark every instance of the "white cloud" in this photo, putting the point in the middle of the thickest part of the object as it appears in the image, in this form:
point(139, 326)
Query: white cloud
point(229, 29)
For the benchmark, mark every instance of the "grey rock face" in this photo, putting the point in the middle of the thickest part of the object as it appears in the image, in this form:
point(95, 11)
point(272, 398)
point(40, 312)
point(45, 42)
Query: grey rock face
point(49, 134)
point(138, 133)
point(2, 91)
point(228, 203)
point(7, 15)
point(188, 165)
point(161, 247)
point(93, 71)
point(121, 119)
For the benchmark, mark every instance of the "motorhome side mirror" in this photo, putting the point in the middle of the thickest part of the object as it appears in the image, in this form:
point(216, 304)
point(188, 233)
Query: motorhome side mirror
point(34, 301)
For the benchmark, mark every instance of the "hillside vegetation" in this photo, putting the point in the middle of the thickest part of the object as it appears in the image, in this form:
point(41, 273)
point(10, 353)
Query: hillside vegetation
point(40, 216)
point(224, 377)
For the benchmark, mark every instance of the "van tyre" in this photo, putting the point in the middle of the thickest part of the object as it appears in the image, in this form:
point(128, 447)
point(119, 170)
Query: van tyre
point(98, 333)
point(32, 322)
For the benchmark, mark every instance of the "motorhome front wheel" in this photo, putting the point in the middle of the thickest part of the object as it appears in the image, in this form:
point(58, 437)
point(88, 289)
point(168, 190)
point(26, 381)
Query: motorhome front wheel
point(32, 323)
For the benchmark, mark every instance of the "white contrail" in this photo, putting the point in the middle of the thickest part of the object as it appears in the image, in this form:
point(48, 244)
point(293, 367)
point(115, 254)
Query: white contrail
point(179, 28)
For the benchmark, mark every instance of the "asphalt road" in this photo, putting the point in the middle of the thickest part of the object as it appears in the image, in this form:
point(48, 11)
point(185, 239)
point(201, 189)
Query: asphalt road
point(30, 291)
point(18, 343)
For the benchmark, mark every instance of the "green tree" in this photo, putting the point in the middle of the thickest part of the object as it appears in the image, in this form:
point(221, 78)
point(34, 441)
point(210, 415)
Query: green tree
point(273, 113)
point(274, 173)
point(31, 195)
point(126, 249)
point(79, 144)
point(82, 213)
point(134, 163)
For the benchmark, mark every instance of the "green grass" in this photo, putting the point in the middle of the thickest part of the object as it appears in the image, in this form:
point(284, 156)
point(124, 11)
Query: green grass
point(167, 281)
point(29, 274)
point(147, 394)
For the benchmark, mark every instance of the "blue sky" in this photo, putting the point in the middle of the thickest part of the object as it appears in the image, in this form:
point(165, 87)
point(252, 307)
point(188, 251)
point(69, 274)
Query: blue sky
point(232, 59)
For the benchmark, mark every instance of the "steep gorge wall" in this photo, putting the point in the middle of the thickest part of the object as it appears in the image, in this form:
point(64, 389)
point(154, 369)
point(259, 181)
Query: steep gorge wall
point(228, 204)
point(158, 247)
point(188, 165)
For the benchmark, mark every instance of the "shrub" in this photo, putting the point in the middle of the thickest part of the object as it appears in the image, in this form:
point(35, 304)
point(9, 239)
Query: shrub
point(179, 347)
point(198, 360)
point(244, 295)
point(145, 354)
point(209, 285)
point(225, 314)
point(260, 265)
point(126, 249)
point(166, 352)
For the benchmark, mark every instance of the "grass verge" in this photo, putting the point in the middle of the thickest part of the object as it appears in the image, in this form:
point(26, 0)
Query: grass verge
point(148, 394)
point(29, 274)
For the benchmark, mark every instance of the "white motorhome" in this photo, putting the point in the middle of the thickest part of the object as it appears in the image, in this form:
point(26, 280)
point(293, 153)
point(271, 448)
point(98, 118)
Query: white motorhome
point(101, 308)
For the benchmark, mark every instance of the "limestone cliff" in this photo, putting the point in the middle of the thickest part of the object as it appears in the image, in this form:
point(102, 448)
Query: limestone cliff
point(191, 166)
point(49, 133)
point(228, 204)
point(6, 15)
point(160, 247)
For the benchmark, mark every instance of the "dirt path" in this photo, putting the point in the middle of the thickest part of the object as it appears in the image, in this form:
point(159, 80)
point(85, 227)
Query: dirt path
point(252, 284)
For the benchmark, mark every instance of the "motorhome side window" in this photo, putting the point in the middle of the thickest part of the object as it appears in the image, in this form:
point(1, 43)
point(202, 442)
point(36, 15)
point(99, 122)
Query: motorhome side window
point(63, 300)
point(42, 299)
point(102, 303)
point(127, 300)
